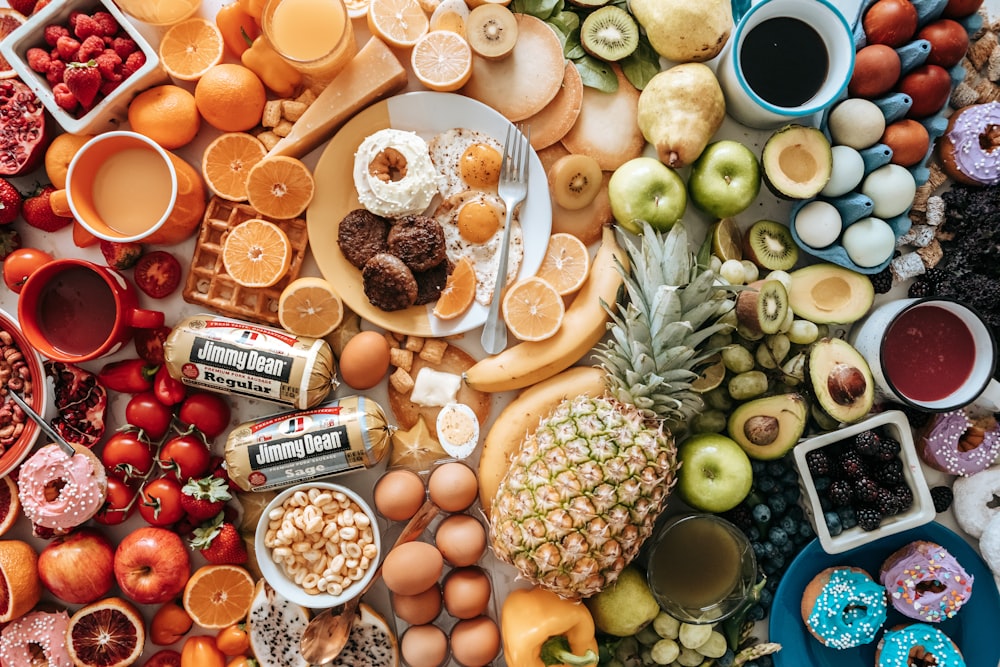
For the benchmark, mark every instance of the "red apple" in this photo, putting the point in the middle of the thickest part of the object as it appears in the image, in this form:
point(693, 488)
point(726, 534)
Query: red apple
point(929, 86)
point(78, 568)
point(956, 9)
point(949, 42)
point(152, 565)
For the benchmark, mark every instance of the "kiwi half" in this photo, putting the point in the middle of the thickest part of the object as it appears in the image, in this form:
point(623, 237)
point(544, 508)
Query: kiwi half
point(609, 33)
point(574, 181)
point(762, 310)
point(492, 31)
point(770, 245)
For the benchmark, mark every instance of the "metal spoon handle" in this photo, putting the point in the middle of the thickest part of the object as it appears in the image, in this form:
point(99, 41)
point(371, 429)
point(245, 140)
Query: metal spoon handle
point(42, 424)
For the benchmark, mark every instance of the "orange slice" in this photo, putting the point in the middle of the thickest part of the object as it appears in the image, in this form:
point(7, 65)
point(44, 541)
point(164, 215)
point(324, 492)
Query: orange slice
point(191, 48)
point(280, 187)
point(216, 596)
point(459, 291)
point(442, 60)
point(398, 22)
point(310, 307)
point(10, 20)
point(256, 253)
point(565, 264)
point(18, 579)
point(533, 309)
point(10, 504)
point(106, 633)
point(227, 162)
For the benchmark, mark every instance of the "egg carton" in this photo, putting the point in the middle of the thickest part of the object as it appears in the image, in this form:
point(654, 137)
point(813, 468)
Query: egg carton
point(894, 106)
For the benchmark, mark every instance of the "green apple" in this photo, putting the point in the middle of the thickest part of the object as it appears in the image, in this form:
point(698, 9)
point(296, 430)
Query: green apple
point(725, 179)
point(646, 189)
point(715, 474)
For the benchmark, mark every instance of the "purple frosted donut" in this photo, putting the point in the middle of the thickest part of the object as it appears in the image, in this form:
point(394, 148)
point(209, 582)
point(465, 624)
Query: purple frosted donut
point(925, 582)
point(958, 445)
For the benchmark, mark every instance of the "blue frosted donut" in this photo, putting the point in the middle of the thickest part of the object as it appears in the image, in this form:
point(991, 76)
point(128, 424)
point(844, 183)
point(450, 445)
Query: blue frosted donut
point(844, 607)
point(897, 646)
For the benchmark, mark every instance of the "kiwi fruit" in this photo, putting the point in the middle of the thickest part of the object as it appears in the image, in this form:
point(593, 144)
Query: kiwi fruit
point(574, 181)
point(609, 33)
point(770, 246)
point(762, 310)
point(492, 31)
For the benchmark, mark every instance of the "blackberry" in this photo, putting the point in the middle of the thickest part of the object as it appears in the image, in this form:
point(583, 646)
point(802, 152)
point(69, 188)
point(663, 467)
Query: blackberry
point(919, 289)
point(890, 473)
point(869, 518)
point(888, 449)
point(904, 497)
point(942, 497)
point(935, 277)
point(886, 502)
point(866, 443)
point(840, 492)
point(818, 462)
point(882, 281)
point(851, 466)
point(866, 490)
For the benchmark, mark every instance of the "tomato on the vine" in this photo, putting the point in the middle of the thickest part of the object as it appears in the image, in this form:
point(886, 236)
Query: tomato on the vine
point(201, 652)
point(165, 658)
point(118, 505)
point(169, 624)
point(185, 456)
point(145, 412)
point(127, 456)
point(207, 412)
point(233, 640)
point(20, 264)
point(160, 502)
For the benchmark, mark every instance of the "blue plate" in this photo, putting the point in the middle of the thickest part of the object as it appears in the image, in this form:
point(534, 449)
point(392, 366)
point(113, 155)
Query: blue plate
point(973, 629)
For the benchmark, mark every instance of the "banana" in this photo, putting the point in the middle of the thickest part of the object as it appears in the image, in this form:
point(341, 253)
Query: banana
point(583, 326)
point(521, 417)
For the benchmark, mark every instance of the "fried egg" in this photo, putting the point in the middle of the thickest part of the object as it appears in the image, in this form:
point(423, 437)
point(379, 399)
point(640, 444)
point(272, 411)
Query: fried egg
point(465, 159)
point(473, 224)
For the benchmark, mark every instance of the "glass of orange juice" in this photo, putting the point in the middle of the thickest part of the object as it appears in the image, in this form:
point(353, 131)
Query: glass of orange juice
point(159, 12)
point(314, 36)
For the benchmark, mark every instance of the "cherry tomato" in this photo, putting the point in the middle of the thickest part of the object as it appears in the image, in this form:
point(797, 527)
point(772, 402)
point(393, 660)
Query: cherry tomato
point(233, 640)
point(160, 502)
point(145, 412)
point(242, 661)
point(201, 652)
point(168, 390)
point(127, 456)
point(149, 344)
point(157, 273)
point(164, 658)
point(185, 456)
point(118, 506)
point(209, 413)
point(22, 263)
point(169, 624)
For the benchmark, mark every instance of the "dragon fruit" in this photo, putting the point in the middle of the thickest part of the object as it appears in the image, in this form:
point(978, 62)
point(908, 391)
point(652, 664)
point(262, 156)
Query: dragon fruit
point(371, 642)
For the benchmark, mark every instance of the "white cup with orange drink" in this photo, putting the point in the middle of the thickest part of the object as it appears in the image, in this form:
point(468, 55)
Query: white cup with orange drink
point(315, 37)
point(159, 12)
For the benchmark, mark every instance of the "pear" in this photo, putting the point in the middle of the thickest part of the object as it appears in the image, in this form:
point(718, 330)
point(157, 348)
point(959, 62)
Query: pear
point(679, 111)
point(624, 607)
point(684, 31)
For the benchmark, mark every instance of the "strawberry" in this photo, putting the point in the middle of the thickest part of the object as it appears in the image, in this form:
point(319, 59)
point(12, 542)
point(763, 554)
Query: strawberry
point(64, 99)
point(121, 256)
point(89, 49)
point(133, 63)
point(219, 542)
point(67, 47)
point(23, 6)
point(204, 498)
point(10, 202)
point(37, 211)
point(10, 241)
point(38, 60)
point(106, 24)
point(52, 33)
point(85, 27)
point(109, 64)
point(83, 81)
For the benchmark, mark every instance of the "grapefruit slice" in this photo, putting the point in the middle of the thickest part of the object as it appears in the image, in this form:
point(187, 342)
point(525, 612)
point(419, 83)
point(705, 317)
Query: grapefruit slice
point(10, 505)
point(106, 633)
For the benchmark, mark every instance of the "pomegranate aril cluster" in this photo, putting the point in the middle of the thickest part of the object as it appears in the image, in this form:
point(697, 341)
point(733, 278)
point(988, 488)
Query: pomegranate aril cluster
point(85, 60)
point(860, 481)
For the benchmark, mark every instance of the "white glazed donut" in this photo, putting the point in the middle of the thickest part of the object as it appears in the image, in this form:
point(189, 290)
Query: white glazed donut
point(973, 497)
point(989, 545)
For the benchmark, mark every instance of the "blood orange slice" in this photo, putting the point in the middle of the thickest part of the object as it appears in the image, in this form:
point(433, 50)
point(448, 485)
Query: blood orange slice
point(10, 506)
point(10, 20)
point(106, 633)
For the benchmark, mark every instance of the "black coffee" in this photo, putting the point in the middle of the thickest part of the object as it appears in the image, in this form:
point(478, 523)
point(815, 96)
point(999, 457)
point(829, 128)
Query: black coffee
point(784, 61)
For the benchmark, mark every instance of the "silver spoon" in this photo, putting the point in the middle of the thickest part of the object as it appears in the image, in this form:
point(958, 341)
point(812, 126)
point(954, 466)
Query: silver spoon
point(327, 633)
point(42, 424)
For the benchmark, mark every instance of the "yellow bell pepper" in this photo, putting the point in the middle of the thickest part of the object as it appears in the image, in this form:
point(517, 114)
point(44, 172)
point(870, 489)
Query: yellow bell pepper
point(539, 628)
point(279, 77)
point(234, 22)
point(253, 7)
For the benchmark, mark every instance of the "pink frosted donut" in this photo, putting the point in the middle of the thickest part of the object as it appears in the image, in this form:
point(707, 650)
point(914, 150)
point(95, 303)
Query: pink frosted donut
point(47, 631)
point(60, 492)
point(925, 582)
point(956, 444)
point(970, 147)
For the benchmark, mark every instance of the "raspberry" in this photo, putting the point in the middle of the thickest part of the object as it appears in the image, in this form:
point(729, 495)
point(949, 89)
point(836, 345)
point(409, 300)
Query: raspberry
point(866, 490)
point(869, 518)
point(890, 473)
point(942, 497)
point(106, 23)
point(91, 47)
point(818, 462)
point(67, 48)
point(38, 60)
point(57, 69)
point(133, 63)
point(866, 443)
point(53, 33)
point(85, 27)
point(65, 99)
point(109, 64)
point(74, 16)
point(124, 46)
point(108, 87)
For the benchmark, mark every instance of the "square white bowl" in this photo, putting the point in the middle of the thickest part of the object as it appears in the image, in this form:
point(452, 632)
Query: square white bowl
point(107, 114)
point(920, 512)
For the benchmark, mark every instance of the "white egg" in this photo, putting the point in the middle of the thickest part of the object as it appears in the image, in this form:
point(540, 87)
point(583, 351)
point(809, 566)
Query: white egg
point(848, 170)
point(818, 224)
point(856, 122)
point(465, 160)
point(869, 241)
point(891, 188)
point(473, 224)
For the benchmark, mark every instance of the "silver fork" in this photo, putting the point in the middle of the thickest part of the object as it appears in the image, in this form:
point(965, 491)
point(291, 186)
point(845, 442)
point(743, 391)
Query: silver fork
point(513, 188)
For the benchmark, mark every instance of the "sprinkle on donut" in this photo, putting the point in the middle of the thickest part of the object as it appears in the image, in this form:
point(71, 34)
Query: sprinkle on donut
point(899, 644)
point(46, 631)
point(844, 607)
point(956, 444)
point(58, 491)
point(925, 582)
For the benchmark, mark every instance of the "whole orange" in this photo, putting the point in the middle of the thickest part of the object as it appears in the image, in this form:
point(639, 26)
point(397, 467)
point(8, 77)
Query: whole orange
point(60, 153)
point(166, 114)
point(230, 98)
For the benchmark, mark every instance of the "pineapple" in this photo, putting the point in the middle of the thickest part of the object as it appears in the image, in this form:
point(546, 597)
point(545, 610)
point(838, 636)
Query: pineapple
point(585, 488)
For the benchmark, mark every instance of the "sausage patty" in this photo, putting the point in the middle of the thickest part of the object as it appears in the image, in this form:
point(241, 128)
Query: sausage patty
point(418, 240)
point(389, 284)
point(362, 235)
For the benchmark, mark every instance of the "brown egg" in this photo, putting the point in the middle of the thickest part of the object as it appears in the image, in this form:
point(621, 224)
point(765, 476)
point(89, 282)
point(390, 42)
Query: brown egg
point(475, 641)
point(876, 69)
point(453, 487)
point(399, 494)
point(365, 360)
point(420, 608)
point(908, 140)
point(461, 539)
point(412, 568)
point(467, 592)
point(424, 646)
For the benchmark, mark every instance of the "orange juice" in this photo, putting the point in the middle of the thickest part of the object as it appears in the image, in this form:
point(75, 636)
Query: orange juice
point(159, 12)
point(314, 36)
point(132, 190)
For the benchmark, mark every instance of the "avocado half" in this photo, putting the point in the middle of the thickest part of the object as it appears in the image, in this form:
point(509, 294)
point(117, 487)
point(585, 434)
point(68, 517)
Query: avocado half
point(767, 428)
point(830, 294)
point(797, 162)
point(841, 380)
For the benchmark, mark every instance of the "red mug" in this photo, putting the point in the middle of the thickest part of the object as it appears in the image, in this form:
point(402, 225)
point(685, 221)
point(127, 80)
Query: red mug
point(73, 310)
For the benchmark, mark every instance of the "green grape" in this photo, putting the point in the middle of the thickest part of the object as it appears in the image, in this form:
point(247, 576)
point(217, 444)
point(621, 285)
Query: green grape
point(666, 625)
point(690, 657)
point(715, 647)
point(803, 332)
point(747, 385)
point(647, 636)
point(737, 358)
point(710, 421)
point(665, 651)
point(693, 636)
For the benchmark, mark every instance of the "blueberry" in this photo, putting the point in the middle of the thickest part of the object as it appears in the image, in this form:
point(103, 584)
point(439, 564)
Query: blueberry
point(753, 533)
point(825, 503)
point(833, 523)
point(758, 549)
point(789, 524)
point(848, 519)
point(757, 467)
point(727, 659)
point(776, 468)
point(772, 584)
point(806, 530)
point(778, 504)
point(790, 477)
point(789, 548)
point(769, 566)
point(791, 495)
point(766, 484)
point(777, 535)
point(756, 613)
point(770, 550)
point(761, 513)
point(822, 483)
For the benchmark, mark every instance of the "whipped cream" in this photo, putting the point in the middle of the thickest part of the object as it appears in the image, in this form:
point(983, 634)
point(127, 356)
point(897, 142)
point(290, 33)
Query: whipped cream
point(378, 160)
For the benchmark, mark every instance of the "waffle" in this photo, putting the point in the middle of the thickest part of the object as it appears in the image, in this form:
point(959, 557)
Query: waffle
point(210, 286)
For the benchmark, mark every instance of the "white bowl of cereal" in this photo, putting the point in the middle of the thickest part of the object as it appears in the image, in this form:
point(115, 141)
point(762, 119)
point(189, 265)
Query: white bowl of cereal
point(318, 544)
